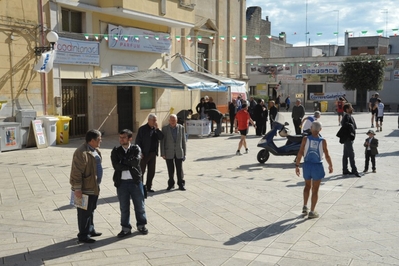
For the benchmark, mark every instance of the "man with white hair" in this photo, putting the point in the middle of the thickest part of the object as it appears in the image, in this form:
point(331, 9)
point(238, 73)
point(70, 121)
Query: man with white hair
point(307, 122)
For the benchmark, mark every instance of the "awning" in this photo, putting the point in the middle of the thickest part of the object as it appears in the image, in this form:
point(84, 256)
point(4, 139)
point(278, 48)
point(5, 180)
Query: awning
point(224, 82)
point(157, 78)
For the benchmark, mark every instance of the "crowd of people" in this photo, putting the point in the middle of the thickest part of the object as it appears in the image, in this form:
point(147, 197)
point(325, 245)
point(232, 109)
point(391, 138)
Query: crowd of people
point(131, 160)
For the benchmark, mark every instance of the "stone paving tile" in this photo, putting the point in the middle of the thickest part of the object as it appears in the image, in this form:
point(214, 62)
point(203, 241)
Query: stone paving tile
point(231, 210)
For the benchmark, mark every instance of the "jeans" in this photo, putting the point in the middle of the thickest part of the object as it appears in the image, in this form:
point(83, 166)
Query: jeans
point(171, 163)
point(127, 190)
point(348, 153)
point(218, 126)
point(150, 159)
point(85, 218)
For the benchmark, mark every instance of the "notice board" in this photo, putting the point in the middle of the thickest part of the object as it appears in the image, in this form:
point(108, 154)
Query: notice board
point(36, 135)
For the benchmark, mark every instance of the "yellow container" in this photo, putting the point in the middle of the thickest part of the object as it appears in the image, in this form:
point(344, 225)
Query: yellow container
point(323, 106)
point(63, 130)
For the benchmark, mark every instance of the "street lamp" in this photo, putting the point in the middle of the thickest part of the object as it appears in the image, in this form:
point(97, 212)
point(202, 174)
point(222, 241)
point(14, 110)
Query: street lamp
point(52, 38)
point(337, 24)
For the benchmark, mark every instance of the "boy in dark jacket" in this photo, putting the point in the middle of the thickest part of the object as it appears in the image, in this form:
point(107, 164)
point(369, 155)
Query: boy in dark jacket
point(371, 144)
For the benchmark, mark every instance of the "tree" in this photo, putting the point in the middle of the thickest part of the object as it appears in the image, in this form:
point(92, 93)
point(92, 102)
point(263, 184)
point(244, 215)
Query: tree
point(363, 73)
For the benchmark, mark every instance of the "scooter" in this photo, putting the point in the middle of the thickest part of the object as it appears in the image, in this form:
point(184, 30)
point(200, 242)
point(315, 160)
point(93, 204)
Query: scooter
point(291, 147)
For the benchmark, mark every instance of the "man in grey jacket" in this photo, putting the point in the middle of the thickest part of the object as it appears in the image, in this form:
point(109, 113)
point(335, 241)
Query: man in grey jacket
point(173, 150)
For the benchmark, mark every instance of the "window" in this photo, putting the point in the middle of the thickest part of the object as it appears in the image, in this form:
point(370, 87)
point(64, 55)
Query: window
point(71, 21)
point(370, 47)
point(353, 48)
point(203, 57)
point(146, 98)
point(314, 89)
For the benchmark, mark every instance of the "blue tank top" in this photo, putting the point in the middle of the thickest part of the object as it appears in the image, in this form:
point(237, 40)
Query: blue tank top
point(313, 150)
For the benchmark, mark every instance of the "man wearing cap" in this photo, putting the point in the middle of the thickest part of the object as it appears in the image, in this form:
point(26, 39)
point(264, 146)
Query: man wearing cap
point(371, 144)
point(372, 103)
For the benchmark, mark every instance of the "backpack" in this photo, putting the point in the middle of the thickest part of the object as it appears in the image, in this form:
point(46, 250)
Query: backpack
point(313, 150)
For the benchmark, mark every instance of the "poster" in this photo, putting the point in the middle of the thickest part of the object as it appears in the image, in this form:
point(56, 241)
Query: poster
point(11, 136)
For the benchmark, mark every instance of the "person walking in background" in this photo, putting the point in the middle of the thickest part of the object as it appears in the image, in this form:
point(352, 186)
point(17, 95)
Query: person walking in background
point(287, 103)
point(173, 150)
point(127, 180)
point(242, 121)
point(340, 109)
point(264, 117)
point(272, 113)
point(372, 104)
point(208, 106)
point(313, 147)
point(379, 114)
point(239, 103)
point(85, 178)
point(347, 135)
point(232, 114)
point(148, 137)
point(298, 112)
point(371, 144)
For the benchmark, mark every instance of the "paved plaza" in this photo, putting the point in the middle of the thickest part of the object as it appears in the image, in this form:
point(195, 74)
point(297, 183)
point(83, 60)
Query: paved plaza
point(235, 211)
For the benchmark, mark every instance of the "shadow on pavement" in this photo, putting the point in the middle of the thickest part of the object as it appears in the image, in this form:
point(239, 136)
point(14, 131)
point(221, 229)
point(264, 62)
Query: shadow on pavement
point(270, 230)
point(214, 158)
point(62, 249)
point(248, 167)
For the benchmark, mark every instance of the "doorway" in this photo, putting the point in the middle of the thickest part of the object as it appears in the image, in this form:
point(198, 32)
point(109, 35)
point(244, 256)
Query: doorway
point(125, 107)
point(74, 105)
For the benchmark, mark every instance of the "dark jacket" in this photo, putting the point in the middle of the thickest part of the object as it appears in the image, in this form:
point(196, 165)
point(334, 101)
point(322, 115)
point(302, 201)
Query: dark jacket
point(144, 139)
point(214, 115)
point(122, 161)
point(258, 112)
point(373, 146)
point(348, 129)
point(273, 113)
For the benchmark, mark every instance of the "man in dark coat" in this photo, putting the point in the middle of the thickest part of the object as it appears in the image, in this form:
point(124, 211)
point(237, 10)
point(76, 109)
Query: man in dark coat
point(215, 115)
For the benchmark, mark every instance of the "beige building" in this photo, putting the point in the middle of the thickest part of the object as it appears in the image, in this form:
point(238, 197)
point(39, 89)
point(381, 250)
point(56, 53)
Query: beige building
point(20, 33)
point(99, 38)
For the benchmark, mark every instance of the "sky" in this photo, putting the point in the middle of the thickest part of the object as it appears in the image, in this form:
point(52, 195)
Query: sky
point(323, 18)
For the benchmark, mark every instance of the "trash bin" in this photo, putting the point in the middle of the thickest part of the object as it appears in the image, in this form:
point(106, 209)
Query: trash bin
point(323, 106)
point(63, 129)
point(10, 133)
point(316, 106)
point(25, 116)
point(49, 124)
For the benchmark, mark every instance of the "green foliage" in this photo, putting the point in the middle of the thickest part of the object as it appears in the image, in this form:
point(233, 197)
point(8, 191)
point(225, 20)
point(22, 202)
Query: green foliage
point(364, 73)
point(257, 97)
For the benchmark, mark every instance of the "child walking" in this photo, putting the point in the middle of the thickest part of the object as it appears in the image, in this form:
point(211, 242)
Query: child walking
point(371, 145)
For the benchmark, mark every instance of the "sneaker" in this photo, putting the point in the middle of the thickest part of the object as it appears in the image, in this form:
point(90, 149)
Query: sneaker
point(372, 125)
point(305, 210)
point(377, 130)
point(142, 229)
point(238, 153)
point(365, 171)
point(246, 151)
point(124, 233)
point(313, 215)
point(374, 171)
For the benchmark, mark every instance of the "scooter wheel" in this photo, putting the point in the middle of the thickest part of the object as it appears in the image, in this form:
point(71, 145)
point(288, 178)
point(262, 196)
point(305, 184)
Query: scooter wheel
point(263, 156)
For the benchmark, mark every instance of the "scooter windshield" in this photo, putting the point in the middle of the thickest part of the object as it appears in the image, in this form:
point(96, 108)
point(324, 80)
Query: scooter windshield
point(280, 118)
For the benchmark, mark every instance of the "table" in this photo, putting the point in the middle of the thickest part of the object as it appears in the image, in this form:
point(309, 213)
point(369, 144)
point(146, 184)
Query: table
point(198, 127)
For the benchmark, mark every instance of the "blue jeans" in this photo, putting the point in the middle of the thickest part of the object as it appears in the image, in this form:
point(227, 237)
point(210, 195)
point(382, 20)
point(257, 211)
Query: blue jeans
point(127, 190)
point(348, 153)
